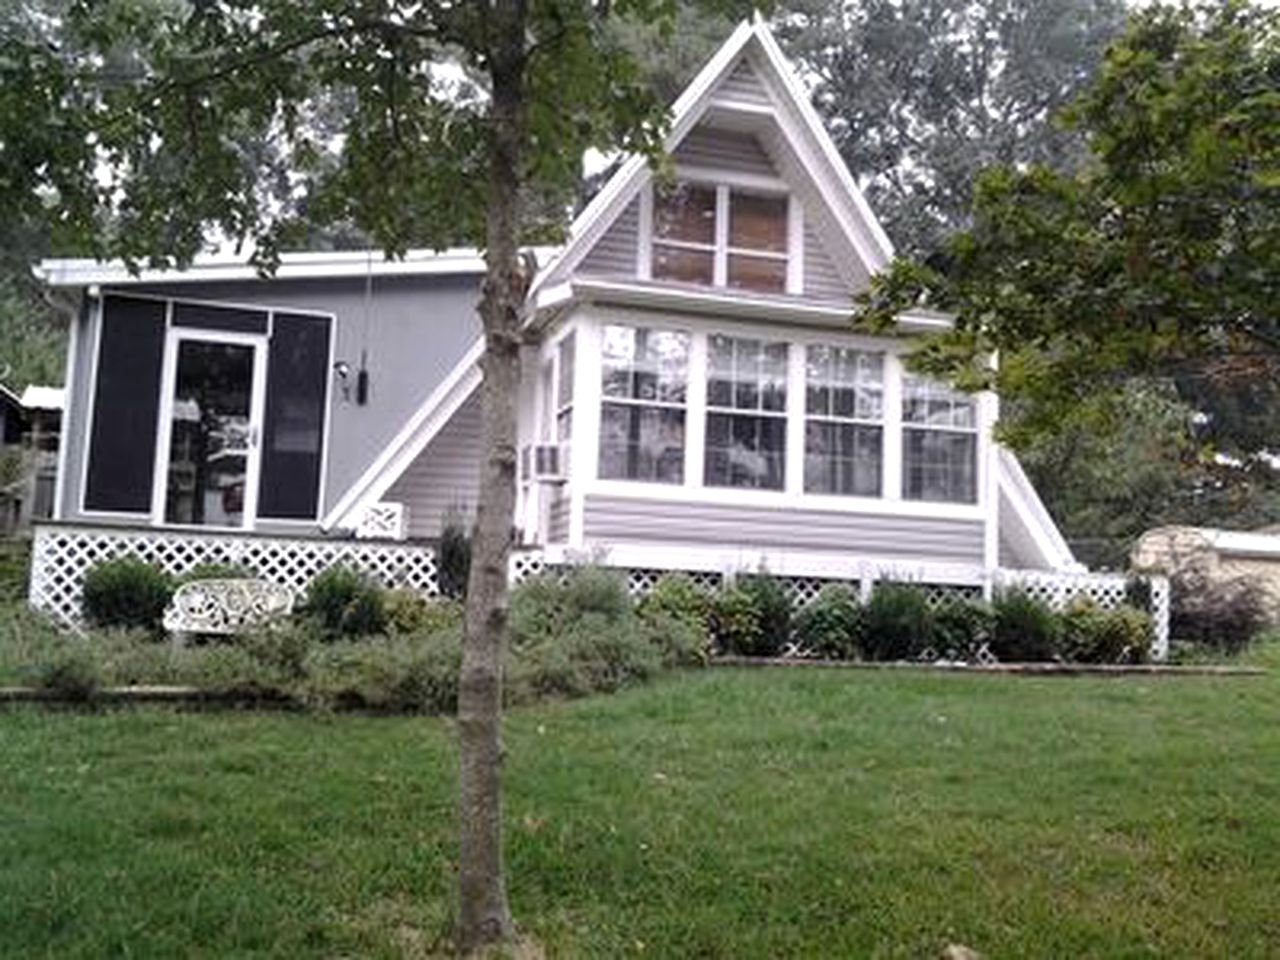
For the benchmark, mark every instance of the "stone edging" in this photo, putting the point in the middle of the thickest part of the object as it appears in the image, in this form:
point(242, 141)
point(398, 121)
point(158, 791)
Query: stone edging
point(1005, 669)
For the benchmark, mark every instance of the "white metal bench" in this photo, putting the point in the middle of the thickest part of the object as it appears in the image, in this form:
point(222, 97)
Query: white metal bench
point(226, 606)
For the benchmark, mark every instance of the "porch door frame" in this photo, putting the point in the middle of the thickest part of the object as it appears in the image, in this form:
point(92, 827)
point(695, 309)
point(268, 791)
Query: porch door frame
point(164, 429)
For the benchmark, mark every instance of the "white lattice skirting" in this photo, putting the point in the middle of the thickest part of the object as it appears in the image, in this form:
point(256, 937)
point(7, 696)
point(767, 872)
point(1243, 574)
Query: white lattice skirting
point(63, 553)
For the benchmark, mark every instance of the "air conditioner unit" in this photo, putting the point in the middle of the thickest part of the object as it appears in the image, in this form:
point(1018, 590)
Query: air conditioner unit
point(545, 463)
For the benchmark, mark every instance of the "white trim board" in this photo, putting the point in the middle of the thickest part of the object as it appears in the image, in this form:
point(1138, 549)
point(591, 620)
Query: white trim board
point(420, 429)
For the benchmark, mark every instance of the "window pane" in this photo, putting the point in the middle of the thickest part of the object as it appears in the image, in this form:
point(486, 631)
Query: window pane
point(747, 374)
point(564, 385)
point(939, 466)
point(685, 212)
point(757, 273)
point(641, 443)
point(644, 364)
point(936, 404)
point(745, 451)
point(293, 434)
point(843, 382)
point(758, 223)
point(842, 458)
point(685, 266)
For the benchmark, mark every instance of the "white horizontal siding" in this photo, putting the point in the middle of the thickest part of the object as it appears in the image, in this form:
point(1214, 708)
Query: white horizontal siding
point(615, 253)
point(821, 278)
point(744, 85)
point(611, 519)
point(706, 146)
point(445, 477)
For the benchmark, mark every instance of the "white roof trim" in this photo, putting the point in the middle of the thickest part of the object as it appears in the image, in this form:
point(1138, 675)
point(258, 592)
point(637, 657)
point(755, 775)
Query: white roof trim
point(10, 395)
point(293, 266)
point(427, 421)
point(1017, 490)
point(43, 398)
point(801, 125)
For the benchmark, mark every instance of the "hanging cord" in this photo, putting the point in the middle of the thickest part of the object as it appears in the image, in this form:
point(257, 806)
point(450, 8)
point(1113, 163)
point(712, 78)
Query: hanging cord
point(362, 375)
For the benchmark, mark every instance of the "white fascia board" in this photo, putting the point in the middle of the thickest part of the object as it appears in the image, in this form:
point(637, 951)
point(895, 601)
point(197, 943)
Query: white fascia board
point(732, 304)
point(461, 261)
point(1242, 544)
point(1030, 509)
point(405, 446)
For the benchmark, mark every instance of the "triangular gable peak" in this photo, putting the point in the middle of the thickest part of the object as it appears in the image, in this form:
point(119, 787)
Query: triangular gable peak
point(745, 120)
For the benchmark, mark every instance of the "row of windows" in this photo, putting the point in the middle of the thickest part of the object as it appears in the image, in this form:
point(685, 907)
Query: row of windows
point(644, 414)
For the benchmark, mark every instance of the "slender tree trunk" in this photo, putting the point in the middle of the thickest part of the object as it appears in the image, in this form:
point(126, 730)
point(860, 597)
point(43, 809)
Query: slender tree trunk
point(484, 914)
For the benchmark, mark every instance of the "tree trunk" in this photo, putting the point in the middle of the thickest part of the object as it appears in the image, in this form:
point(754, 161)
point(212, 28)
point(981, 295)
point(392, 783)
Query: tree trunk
point(484, 915)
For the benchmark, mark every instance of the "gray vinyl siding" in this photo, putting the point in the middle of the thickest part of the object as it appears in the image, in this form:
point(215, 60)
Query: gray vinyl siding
point(706, 146)
point(615, 253)
point(558, 517)
point(632, 520)
point(821, 278)
point(445, 478)
point(744, 85)
point(412, 332)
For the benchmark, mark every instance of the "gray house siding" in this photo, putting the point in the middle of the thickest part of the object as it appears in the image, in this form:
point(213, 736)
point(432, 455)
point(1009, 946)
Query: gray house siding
point(821, 278)
point(706, 146)
point(615, 253)
point(410, 332)
point(445, 478)
point(744, 86)
point(609, 519)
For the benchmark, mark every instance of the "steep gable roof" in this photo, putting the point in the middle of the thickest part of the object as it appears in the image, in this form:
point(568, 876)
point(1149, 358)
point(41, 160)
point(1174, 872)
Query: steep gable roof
point(747, 87)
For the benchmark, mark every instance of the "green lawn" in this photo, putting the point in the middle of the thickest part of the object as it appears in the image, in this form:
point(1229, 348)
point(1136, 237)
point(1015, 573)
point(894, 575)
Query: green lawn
point(714, 814)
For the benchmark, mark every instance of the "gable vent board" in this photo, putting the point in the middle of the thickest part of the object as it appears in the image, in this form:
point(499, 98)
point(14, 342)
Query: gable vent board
point(728, 149)
point(744, 86)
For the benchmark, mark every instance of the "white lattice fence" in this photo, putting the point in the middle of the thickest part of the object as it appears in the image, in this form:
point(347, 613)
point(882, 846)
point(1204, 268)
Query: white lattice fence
point(61, 555)
point(1106, 590)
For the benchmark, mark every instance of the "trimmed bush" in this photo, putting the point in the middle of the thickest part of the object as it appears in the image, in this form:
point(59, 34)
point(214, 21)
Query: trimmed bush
point(1091, 634)
point(1025, 630)
point(679, 643)
point(735, 621)
point(583, 660)
point(402, 674)
point(774, 607)
point(1224, 616)
point(961, 627)
point(677, 597)
point(552, 603)
point(345, 603)
point(453, 558)
point(126, 592)
point(829, 626)
point(408, 611)
point(897, 623)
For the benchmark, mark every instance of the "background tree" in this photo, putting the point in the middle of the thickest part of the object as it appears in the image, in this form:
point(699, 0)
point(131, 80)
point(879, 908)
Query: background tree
point(140, 129)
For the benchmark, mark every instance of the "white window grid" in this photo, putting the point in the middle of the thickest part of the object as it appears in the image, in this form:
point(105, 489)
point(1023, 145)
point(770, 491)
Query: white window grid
point(720, 249)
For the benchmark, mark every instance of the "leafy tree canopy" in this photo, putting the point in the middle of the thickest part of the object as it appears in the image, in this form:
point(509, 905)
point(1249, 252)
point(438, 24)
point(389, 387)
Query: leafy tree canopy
point(1159, 258)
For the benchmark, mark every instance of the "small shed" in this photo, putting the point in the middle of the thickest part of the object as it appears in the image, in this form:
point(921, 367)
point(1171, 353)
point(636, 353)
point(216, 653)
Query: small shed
point(1221, 556)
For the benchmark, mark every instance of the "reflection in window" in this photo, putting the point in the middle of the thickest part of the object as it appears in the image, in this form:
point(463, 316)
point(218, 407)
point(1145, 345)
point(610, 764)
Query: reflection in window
point(844, 406)
point(642, 418)
point(746, 413)
point(751, 250)
point(684, 234)
point(940, 443)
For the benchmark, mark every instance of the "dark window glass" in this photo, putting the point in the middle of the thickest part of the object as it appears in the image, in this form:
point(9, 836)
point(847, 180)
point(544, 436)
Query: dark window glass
point(641, 443)
point(940, 465)
point(122, 437)
point(745, 451)
point(293, 434)
point(207, 317)
point(842, 458)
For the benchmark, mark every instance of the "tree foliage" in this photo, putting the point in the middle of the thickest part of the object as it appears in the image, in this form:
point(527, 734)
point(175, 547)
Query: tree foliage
point(922, 95)
point(1159, 258)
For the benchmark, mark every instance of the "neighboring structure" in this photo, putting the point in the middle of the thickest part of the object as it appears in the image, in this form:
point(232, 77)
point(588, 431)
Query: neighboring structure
point(29, 427)
point(693, 399)
point(1219, 556)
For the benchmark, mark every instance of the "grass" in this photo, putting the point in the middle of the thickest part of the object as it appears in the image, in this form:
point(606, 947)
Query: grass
point(716, 814)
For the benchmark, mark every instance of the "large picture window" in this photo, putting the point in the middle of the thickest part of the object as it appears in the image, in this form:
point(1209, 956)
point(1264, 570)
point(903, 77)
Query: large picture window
point(940, 443)
point(644, 381)
point(843, 431)
point(746, 442)
point(690, 245)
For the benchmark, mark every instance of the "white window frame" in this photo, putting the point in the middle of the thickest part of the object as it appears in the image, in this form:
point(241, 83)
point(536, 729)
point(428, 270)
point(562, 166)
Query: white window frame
point(765, 339)
point(974, 430)
point(636, 403)
point(840, 420)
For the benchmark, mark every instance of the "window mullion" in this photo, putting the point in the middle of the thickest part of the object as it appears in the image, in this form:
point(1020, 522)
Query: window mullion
point(893, 440)
point(695, 427)
point(720, 276)
point(793, 474)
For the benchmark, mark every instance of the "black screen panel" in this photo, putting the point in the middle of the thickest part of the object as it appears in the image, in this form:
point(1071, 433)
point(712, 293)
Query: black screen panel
point(207, 317)
point(122, 439)
point(293, 434)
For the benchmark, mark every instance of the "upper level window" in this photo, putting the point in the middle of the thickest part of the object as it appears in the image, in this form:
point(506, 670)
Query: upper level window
point(564, 388)
point(720, 236)
point(843, 431)
point(642, 416)
point(940, 442)
point(746, 442)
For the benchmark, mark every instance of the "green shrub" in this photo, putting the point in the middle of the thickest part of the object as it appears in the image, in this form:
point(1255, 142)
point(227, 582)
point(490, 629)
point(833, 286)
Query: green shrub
point(126, 592)
point(735, 621)
point(453, 558)
point(70, 670)
point(679, 642)
point(1026, 630)
point(583, 660)
point(1093, 635)
point(408, 611)
point(677, 597)
point(345, 603)
point(897, 623)
point(552, 603)
point(15, 559)
point(1220, 615)
point(961, 627)
point(218, 571)
point(829, 626)
point(411, 673)
point(774, 607)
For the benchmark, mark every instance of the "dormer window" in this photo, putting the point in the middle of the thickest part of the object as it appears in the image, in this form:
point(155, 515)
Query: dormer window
point(720, 236)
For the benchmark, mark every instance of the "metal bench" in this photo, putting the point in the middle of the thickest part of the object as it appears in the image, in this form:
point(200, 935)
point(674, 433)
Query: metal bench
point(226, 607)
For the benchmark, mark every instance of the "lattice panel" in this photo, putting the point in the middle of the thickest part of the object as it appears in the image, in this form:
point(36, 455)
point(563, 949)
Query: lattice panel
point(525, 564)
point(940, 594)
point(62, 555)
point(802, 591)
point(640, 581)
